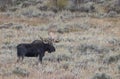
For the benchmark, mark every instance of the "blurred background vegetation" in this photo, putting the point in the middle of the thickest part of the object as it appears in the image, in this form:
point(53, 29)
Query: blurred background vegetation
point(98, 6)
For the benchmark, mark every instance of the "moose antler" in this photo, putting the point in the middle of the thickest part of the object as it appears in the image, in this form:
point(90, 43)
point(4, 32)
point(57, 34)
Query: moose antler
point(53, 35)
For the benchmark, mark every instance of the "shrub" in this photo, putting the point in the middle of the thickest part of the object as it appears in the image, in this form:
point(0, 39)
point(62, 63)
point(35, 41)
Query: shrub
point(64, 57)
point(101, 76)
point(17, 2)
point(4, 4)
point(51, 58)
point(87, 7)
point(49, 69)
point(93, 48)
point(65, 66)
point(62, 3)
point(112, 13)
point(111, 59)
point(119, 68)
point(21, 72)
point(57, 4)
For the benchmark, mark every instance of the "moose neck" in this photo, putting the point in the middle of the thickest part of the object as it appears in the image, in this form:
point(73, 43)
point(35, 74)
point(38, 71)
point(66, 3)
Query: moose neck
point(46, 47)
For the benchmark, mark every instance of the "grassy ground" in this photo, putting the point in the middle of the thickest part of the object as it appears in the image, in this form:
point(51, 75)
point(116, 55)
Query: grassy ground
point(88, 46)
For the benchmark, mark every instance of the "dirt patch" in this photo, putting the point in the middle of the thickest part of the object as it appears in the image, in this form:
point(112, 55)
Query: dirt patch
point(29, 21)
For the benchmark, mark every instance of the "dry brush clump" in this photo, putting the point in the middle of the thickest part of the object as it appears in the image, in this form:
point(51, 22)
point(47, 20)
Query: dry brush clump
point(112, 59)
point(21, 72)
point(59, 56)
point(101, 76)
point(5, 4)
point(119, 68)
point(93, 48)
point(56, 5)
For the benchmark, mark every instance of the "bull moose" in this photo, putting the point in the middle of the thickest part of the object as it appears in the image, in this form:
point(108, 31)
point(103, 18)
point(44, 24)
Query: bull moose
point(35, 49)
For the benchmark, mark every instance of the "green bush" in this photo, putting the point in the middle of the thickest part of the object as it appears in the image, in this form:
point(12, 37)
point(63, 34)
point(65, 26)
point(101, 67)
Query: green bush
point(61, 4)
point(57, 4)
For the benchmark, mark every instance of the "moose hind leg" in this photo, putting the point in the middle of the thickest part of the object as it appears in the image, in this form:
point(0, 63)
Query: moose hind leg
point(40, 59)
point(22, 58)
point(18, 59)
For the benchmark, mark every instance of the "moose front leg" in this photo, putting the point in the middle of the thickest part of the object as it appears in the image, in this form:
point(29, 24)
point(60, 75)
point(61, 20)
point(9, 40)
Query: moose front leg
point(40, 59)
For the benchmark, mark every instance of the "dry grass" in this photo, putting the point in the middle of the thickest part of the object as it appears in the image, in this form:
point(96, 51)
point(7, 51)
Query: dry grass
point(101, 34)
